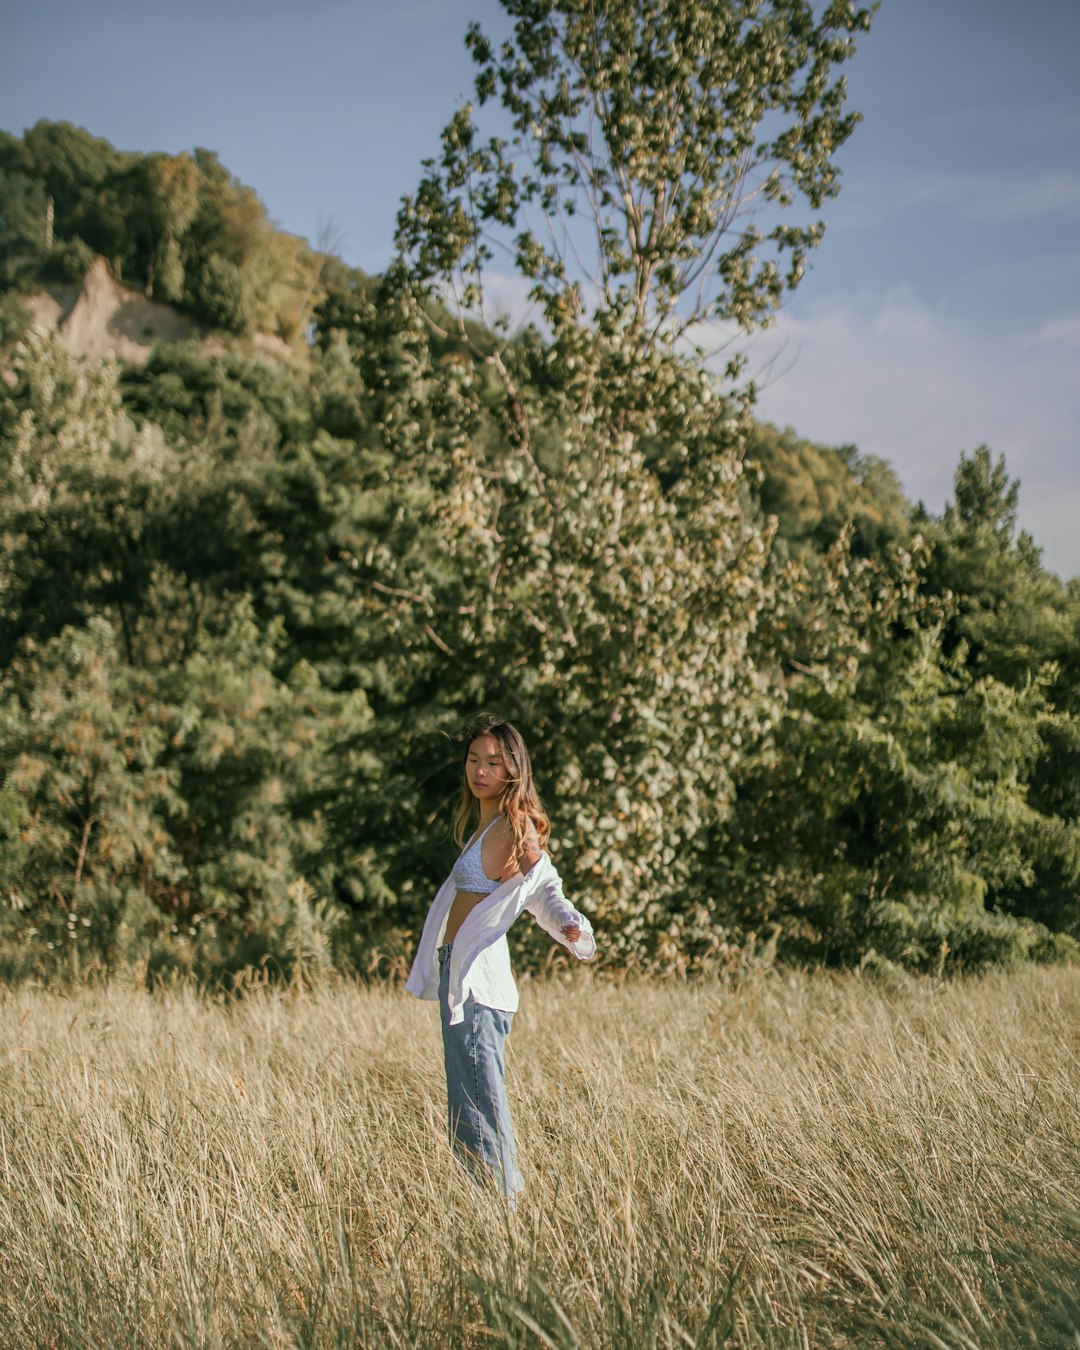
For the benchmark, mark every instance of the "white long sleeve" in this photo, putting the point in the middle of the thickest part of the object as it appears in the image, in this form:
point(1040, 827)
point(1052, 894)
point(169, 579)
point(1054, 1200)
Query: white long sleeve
point(553, 912)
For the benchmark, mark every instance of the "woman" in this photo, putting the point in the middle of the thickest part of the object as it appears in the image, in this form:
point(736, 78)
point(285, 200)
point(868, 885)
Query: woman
point(463, 959)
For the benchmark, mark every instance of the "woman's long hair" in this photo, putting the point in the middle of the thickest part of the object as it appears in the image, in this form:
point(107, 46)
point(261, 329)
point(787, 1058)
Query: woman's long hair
point(520, 802)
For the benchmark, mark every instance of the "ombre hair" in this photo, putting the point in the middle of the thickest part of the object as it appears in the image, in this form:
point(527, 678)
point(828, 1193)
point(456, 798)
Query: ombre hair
point(520, 803)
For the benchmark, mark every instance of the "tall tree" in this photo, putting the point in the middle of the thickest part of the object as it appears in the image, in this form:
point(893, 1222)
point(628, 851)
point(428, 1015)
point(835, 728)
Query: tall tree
point(71, 164)
point(166, 199)
point(581, 551)
point(1017, 623)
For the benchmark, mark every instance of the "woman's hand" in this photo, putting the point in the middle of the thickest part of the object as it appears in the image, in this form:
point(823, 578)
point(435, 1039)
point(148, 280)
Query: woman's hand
point(571, 932)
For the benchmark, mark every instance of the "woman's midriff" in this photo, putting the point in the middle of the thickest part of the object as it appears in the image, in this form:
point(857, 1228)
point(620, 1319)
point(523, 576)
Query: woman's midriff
point(460, 908)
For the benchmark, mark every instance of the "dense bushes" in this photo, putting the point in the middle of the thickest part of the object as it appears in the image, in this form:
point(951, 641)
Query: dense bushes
point(233, 647)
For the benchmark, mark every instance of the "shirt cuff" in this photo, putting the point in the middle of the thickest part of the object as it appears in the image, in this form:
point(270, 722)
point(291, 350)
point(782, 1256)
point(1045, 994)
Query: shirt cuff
point(585, 947)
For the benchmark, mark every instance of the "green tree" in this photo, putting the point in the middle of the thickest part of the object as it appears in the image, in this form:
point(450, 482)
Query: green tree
point(164, 200)
point(580, 550)
point(555, 579)
point(1015, 622)
point(84, 852)
point(71, 165)
point(1011, 614)
point(891, 813)
point(179, 225)
point(231, 260)
point(23, 213)
point(815, 491)
point(185, 562)
point(183, 815)
point(76, 483)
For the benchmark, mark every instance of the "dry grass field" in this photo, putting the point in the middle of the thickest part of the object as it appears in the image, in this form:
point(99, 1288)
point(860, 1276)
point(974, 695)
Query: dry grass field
point(792, 1160)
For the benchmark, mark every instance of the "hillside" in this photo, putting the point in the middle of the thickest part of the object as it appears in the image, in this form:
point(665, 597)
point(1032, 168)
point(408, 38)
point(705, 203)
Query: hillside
point(178, 230)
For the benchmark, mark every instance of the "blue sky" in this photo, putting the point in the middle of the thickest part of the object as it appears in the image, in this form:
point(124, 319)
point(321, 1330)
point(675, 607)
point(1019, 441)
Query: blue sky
point(942, 310)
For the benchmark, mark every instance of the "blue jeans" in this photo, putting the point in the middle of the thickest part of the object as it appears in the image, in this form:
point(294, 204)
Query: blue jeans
point(478, 1114)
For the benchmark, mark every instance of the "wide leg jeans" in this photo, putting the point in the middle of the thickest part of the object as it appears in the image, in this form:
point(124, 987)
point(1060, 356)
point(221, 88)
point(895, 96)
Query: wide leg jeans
point(478, 1114)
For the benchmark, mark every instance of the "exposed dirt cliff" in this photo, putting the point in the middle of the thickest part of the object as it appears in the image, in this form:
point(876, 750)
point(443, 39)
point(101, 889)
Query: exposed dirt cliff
point(101, 317)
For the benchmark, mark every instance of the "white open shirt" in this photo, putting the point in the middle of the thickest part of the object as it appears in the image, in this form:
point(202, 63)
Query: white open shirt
point(480, 959)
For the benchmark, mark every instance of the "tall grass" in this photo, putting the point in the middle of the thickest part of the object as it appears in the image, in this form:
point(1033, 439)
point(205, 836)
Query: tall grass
point(796, 1160)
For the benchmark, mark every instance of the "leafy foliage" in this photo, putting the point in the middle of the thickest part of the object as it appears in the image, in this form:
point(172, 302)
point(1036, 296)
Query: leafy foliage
point(678, 140)
point(545, 569)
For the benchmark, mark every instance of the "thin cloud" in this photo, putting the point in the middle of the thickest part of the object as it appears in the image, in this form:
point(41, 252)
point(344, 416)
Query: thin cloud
point(1004, 197)
point(907, 383)
point(1066, 329)
point(913, 385)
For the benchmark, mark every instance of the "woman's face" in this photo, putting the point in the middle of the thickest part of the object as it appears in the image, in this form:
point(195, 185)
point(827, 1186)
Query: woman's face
point(485, 769)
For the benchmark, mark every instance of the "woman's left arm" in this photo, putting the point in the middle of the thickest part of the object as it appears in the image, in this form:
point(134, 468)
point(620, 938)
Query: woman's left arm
point(548, 905)
point(556, 916)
